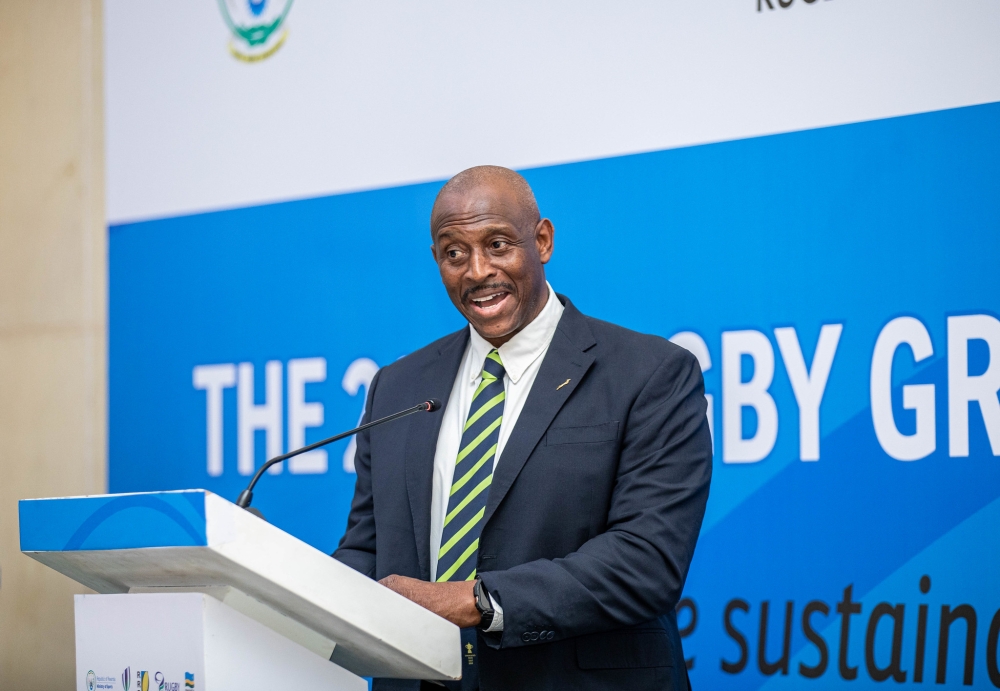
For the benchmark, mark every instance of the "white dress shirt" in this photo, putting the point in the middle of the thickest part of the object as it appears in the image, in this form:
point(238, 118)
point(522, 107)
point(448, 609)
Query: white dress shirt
point(522, 357)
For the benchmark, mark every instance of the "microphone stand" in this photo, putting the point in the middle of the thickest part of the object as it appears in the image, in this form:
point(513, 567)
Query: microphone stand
point(246, 496)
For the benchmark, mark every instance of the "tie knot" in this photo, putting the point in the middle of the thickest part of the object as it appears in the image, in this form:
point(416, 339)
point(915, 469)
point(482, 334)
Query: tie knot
point(493, 366)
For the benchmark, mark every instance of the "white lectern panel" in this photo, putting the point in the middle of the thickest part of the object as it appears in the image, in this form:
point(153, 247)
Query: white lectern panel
point(190, 642)
point(195, 540)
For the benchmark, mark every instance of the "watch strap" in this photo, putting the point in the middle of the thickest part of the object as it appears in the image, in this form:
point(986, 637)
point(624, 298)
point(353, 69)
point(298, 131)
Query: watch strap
point(483, 604)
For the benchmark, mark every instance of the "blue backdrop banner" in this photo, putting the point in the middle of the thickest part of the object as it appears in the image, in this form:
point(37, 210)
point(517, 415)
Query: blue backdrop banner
point(840, 286)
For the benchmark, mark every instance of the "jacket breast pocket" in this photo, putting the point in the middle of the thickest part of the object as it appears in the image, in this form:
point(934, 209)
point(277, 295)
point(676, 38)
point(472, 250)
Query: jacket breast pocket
point(589, 434)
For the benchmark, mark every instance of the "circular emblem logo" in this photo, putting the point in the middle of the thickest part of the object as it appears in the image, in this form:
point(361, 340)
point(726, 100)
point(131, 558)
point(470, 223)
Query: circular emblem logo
point(91, 680)
point(257, 27)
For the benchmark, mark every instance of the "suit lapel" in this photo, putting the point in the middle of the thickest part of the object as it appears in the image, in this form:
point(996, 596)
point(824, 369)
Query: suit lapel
point(434, 381)
point(566, 359)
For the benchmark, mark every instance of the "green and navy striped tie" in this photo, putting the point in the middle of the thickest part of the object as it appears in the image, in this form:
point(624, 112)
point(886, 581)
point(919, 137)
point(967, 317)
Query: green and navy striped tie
point(470, 486)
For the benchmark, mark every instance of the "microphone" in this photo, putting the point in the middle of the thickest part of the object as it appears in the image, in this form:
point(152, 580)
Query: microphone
point(246, 496)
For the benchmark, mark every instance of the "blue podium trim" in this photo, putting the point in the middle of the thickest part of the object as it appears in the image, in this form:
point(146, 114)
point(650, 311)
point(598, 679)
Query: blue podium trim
point(125, 521)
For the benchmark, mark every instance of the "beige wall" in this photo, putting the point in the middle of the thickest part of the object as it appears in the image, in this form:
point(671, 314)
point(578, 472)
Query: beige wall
point(53, 324)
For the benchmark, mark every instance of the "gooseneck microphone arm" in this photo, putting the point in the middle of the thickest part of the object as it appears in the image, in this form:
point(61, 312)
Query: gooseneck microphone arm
point(246, 496)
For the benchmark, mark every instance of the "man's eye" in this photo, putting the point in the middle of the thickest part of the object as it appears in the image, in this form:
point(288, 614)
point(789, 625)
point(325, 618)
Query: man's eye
point(453, 254)
point(498, 244)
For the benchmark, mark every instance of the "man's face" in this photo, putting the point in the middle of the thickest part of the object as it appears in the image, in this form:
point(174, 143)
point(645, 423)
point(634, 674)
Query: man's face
point(491, 259)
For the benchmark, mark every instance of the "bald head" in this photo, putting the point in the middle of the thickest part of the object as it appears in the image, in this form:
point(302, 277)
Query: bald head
point(494, 181)
point(490, 245)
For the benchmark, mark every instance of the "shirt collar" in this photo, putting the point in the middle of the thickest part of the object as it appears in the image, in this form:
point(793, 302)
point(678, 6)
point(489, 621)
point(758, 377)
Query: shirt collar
point(524, 348)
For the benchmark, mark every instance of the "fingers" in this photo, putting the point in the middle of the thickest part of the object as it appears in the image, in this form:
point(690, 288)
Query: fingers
point(407, 587)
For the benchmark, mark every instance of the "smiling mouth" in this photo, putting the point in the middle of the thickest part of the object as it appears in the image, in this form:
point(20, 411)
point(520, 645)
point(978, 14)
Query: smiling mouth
point(489, 303)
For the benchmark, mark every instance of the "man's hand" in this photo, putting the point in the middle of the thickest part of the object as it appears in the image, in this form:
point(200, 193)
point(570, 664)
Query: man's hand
point(453, 600)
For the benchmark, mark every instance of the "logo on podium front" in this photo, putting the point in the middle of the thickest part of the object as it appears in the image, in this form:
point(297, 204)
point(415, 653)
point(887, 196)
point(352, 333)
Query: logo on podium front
point(161, 683)
point(91, 680)
point(127, 678)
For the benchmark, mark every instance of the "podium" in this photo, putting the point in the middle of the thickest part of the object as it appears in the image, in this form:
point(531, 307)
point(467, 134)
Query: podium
point(196, 593)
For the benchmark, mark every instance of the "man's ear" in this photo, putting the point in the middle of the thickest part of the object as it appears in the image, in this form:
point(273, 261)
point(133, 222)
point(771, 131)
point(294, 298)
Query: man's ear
point(434, 253)
point(545, 235)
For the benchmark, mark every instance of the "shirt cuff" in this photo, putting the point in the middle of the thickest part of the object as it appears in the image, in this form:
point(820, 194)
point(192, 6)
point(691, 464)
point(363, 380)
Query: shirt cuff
point(497, 623)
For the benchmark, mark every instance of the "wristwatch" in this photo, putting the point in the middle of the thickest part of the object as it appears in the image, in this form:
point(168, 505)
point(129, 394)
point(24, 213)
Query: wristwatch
point(483, 604)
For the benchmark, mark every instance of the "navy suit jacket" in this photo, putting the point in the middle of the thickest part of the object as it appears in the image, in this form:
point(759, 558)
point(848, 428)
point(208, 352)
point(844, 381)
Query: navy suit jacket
point(592, 516)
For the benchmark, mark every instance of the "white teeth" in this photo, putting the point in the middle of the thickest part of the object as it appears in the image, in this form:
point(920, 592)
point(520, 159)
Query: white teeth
point(488, 297)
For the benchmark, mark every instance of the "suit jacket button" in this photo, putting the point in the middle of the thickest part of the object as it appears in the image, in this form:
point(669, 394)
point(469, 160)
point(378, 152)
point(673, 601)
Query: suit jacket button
point(526, 637)
point(534, 635)
point(551, 635)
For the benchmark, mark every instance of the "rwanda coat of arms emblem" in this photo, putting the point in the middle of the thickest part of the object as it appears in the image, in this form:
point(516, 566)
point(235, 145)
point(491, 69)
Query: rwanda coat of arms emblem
point(257, 27)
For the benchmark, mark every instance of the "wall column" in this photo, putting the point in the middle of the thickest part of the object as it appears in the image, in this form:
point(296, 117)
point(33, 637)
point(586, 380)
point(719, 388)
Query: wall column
point(53, 321)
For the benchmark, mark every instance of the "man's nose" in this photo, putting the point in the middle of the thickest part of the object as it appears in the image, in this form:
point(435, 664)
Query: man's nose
point(480, 267)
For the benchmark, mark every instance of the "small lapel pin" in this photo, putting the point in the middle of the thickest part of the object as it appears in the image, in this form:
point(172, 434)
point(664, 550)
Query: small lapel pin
point(562, 385)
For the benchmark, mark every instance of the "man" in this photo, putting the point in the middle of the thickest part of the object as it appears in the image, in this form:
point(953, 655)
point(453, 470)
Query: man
point(551, 508)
